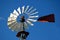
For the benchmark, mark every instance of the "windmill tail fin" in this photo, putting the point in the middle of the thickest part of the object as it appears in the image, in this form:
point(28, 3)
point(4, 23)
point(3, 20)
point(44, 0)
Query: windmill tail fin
point(47, 18)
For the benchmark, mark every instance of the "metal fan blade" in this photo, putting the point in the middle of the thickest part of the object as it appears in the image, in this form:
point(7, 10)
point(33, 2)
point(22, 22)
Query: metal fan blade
point(29, 22)
point(17, 27)
point(29, 9)
point(11, 22)
point(33, 16)
point(11, 19)
point(11, 25)
point(23, 9)
point(34, 13)
point(12, 15)
point(32, 20)
point(19, 10)
point(26, 8)
point(15, 13)
point(14, 27)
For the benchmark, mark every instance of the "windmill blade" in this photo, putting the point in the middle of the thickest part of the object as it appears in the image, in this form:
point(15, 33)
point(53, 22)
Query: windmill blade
point(29, 9)
point(29, 22)
point(34, 13)
point(23, 9)
point(19, 10)
point(12, 15)
point(17, 27)
point(33, 16)
point(15, 13)
point(26, 9)
point(11, 22)
point(32, 20)
point(47, 18)
point(11, 19)
point(10, 25)
point(13, 27)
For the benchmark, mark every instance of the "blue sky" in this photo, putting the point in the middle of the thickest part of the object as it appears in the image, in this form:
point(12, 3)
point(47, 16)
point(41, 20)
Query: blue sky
point(40, 31)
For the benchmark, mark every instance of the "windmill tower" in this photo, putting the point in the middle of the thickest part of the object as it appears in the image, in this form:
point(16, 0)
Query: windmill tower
point(23, 23)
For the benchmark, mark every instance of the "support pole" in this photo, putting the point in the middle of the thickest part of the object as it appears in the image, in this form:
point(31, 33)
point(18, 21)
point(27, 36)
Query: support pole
point(22, 35)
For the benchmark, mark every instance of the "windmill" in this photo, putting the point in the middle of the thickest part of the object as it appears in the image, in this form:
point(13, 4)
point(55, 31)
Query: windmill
point(24, 21)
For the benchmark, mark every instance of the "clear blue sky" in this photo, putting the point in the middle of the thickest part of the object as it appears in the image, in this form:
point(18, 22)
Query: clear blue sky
point(40, 31)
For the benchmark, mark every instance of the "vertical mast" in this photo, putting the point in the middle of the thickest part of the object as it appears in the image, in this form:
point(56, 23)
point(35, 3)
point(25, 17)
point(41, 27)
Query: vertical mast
point(23, 29)
point(22, 34)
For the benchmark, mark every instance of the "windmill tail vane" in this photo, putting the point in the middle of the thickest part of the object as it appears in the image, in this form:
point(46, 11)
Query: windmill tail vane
point(47, 18)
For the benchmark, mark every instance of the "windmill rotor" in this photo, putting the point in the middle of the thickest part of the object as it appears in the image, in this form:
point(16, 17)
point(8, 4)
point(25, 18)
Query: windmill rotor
point(17, 26)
